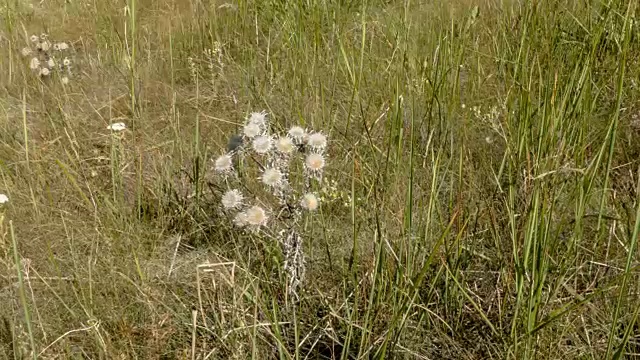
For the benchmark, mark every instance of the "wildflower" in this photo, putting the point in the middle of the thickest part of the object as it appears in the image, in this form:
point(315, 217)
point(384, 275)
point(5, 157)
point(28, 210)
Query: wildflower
point(297, 134)
point(251, 130)
point(309, 202)
point(3, 199)
point(256, 216)
point(224, 163)
point(64, 80)
point(315, 162)
point(45, 46)
point(44, 71)
point(34, 64)
point(34, 38)
point(317, 141)
point(26, 51)
point(66, 62)
point(262, 144)
point(258, 118)
point(272, 177)
point(284, 145)
point(119, 126)
point(51, 63)
point(62, 46)
point(232, 199)
point(240, 219)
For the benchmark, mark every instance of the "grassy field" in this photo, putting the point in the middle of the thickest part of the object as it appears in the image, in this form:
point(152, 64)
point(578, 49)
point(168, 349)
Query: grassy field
point(479, 199)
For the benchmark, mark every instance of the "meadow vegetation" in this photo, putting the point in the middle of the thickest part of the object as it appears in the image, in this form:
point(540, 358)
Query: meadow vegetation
point(480, 198)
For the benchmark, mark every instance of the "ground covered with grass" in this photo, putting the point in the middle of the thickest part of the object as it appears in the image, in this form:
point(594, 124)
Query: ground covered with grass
point(479, 193)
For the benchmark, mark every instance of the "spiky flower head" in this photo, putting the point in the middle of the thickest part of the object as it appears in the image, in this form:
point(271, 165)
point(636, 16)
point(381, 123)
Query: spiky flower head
point(297, 134)
point(256, 216)
point(314, 162)
point(317, 141)
point(284, 145)
point(232, 199)
point(262, 144)
point(272, 177)
point(251, 130)
point(258, 118)
point(310, 202)
point(224, 163)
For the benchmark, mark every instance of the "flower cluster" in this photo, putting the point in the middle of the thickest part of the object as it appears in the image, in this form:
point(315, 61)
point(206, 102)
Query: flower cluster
point(48, 57)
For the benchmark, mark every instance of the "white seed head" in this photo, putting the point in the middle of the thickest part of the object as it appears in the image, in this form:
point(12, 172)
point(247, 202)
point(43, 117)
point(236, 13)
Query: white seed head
point(44, 71)
point(317, 141)
point(232, 199)
point(51, 63)
point(34, 38)
point(297, 133)
point(272, 177)
point(315, 162)
point(262, 144)
point(34, 64)
point(119, 126)
point(3, 199)
point(258, 118)
point(310, 202)
point(256, 216)
point(224, 163)
point(284, 145)
point(251, 130)
point(66, 62)
point(26, 51)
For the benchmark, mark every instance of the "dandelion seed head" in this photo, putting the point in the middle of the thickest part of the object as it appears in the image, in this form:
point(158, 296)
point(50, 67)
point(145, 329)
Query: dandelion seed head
point(262, 144)
point(317, 141)
point(224, 163)
point(34, 64)
point(314, 162)
point(310, 202)
point(251, 130)
point(232, 199)
point(256, 216)
point(297, 134)
point(3, 199)
point(284, 145)
point(26, 51)
point(119, 126)
point(272, 177)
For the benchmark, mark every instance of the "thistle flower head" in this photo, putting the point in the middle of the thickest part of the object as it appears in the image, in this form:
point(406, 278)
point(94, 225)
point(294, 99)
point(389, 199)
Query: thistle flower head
point(314, 162)
point(251, 130)
point(309, 202)
point(117, 127)
point(262, 144)
point(297, 134)
point(258, 118)
point(256, 216)
point(34, 64)
point(232, 199)
point(284, 145)
point(317, 141)
point(62, 46)
point(272, 177)
point(45, 45)
point(224, 163)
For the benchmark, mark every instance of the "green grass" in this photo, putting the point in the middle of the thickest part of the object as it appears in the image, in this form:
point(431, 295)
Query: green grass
point(482, 197)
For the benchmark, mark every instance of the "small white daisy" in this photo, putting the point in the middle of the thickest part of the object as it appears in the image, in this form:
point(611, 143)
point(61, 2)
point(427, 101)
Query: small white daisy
point(314, 162)
point(256, 216)
point(297, 134)
point(258, 118)
point(309, 202)
point(224, 163)
point(251, 130)
point(26, 51)
point(34, 64)
point(232, 199)
point(284, 145)
point(119, 126)
point(3, 199)
point(262, 144)
point(44, 71)
point(317, 141)
point(272, 177)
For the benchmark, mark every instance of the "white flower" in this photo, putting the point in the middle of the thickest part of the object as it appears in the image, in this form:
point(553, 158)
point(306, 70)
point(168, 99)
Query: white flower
point(232, 199)
point(314, 162)
point(119, 126)
point(251, 130)
point(317, 141)
point(224, 163)
point(272, 177)
point(258, 118)
point(297, 133)
point(65, 80)
point(34, 38)
point(45, 46)
point(3, 199)
point(66, 62)
point(262, 144)
point(34, 64)
point(44, 71)
point(284, 145)
point(309, 202)
point(26, 51)
point(62, 46)
point(256, 216)
point(51, 63)
point(240, 219)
